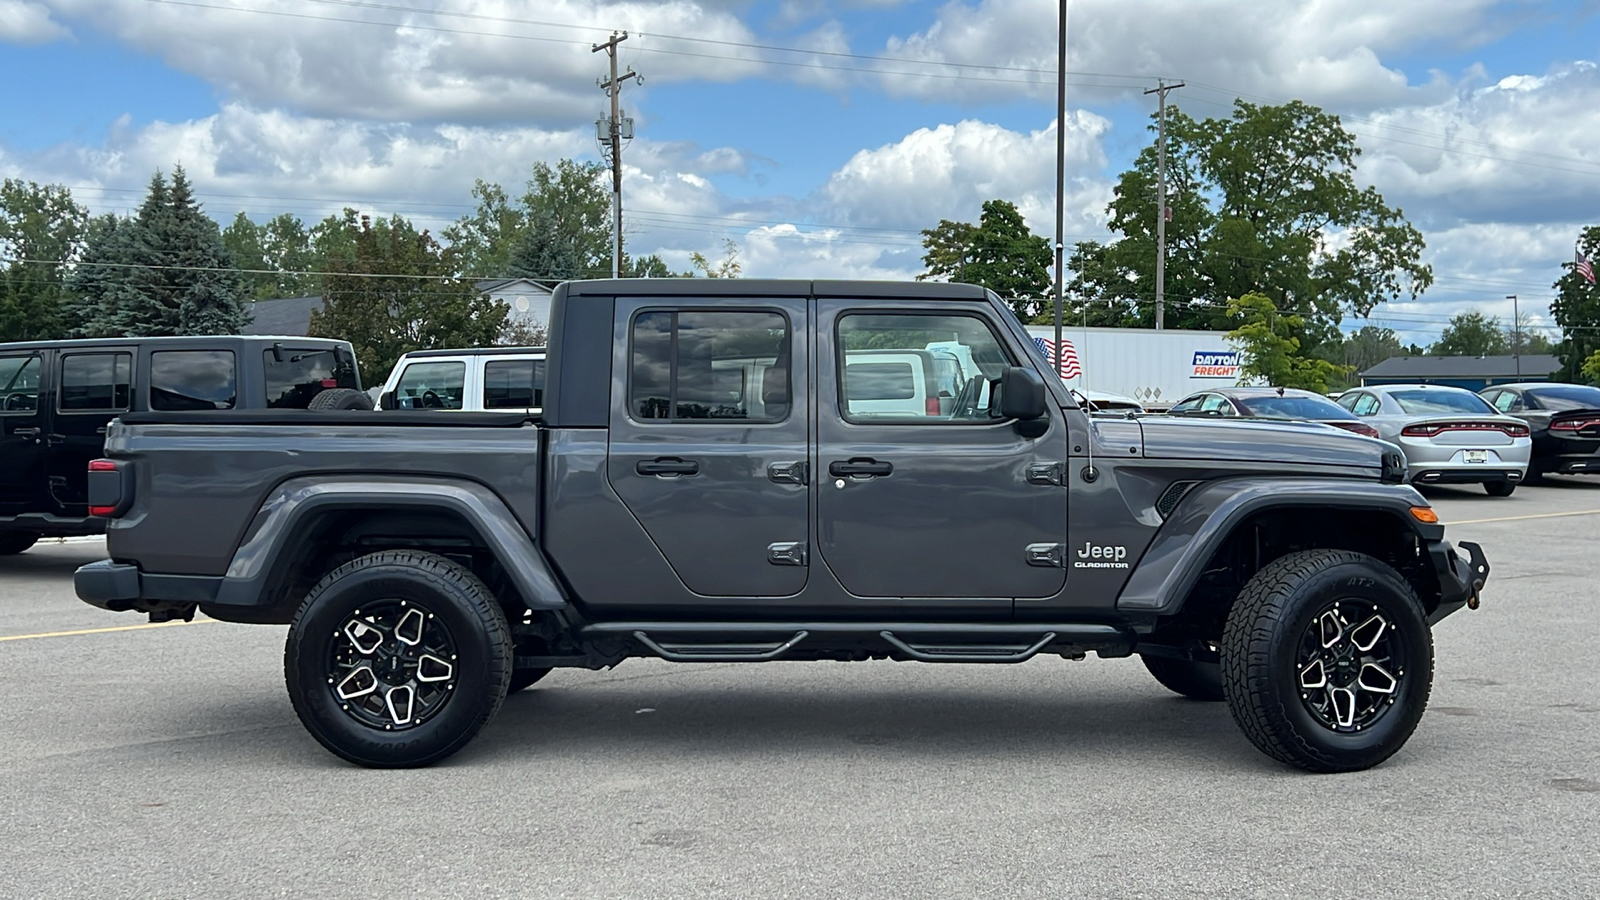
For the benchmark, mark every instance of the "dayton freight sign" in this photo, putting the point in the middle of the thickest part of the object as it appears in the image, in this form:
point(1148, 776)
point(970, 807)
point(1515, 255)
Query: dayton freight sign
point(1214, 364)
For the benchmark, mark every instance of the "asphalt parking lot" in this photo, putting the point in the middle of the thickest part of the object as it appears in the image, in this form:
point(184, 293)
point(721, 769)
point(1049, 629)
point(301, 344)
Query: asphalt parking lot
point(166, 762)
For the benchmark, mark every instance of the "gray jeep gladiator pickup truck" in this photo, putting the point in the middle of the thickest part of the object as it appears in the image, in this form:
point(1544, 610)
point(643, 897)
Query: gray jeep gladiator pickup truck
point(727, 471)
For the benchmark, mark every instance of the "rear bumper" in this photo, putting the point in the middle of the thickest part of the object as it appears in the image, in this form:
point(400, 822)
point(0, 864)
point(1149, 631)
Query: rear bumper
point(1425, 474)
point(46, 525)
point(1572, 464)
point(120, 587)
point(1460, 580)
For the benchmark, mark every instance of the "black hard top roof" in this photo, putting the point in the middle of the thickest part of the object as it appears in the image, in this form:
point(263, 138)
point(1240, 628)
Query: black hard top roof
point(475, 351)
point(193, 340)
point(771, 287)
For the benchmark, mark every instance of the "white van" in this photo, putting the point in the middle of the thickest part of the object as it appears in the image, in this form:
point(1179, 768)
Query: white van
point(497, 379)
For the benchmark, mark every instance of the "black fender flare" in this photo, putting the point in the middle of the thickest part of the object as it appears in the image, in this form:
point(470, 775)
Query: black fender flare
point(289, 507)
point(1206, 517)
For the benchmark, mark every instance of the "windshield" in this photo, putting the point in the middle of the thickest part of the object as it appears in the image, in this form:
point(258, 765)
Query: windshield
point(1426, 403)
point(1290, 407)
point(1567, 396)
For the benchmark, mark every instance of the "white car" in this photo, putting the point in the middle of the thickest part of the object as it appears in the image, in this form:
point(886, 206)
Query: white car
point(496, 379)
point(1449, 435)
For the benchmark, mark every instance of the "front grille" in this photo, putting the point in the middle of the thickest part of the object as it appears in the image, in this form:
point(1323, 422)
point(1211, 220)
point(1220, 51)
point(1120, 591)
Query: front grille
point(1170, 497)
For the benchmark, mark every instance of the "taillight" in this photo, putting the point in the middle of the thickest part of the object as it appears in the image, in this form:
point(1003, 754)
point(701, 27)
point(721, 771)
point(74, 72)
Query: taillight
point(107, 498)
point(932, 406)
point(1574, 424)
point(1360, 428)
point(1439, 428)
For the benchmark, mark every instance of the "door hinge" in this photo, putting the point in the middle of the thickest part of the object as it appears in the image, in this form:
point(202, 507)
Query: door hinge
point(1049, 556)
point(787, 553)
point(1054, 474)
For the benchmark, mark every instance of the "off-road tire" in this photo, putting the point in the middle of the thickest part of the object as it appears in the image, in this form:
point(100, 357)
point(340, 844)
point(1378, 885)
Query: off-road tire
point(340, 398)
point(1262, 681)
point(14, 542)
point(525, 678)
point(1193, 679)
point(1499, 488)
point(462, 605)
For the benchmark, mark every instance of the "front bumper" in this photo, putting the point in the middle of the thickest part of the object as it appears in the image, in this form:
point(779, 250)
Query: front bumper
point(1460, 580)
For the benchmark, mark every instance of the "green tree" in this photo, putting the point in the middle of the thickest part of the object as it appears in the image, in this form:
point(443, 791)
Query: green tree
point(1470, 334)
point(1576, 308)
point(164, 272)
point(999, 253)
point(560, 227)
point(727, 267)
point(1271, 353)
point(1527, 339)
point(1590, 370)
point(391, 289)
point(1369, 345)
point(1264, 201)
point(41, 235)
point(275, 255)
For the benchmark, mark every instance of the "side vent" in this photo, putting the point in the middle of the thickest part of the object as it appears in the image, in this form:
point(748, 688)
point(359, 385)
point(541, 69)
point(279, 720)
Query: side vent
point(1170, 497)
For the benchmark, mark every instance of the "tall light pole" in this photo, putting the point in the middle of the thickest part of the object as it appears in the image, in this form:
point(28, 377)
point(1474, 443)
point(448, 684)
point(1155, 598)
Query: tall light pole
point(1516, 331)
point(1061, 169)
point(1160, 90)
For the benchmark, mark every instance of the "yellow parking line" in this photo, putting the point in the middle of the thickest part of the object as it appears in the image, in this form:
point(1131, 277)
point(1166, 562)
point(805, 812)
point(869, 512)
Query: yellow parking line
point(55, 634)
point(1580, 512)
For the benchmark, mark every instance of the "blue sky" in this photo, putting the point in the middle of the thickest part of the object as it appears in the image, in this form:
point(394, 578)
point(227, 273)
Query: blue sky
point(819, 135)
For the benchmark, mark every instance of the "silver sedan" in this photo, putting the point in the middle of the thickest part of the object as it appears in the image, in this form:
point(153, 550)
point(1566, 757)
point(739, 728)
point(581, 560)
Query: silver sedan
point(1449, 435)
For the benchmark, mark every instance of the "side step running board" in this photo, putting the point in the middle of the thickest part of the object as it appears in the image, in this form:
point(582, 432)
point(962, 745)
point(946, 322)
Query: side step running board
point(718, 652)
point(996, 653)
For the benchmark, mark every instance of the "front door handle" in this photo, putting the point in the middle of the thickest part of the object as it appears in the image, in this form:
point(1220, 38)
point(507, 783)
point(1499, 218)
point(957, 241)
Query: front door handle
point(667, 466)
point(862, 466)
point(25, 432)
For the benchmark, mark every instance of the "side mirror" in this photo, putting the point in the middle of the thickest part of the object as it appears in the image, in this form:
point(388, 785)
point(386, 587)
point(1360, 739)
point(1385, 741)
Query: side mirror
point(386, 400)
point(1022, 395)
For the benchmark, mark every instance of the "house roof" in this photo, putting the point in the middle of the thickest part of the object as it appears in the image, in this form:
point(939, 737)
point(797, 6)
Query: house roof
point(496, 285)
point(1537, 364)
point(285, 315)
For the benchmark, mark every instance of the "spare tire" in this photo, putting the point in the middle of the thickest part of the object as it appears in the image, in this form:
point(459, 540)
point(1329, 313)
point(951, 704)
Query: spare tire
point(340, 398)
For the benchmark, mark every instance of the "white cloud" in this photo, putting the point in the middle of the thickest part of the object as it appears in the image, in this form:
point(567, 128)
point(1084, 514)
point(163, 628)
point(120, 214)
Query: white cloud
point(26, 22)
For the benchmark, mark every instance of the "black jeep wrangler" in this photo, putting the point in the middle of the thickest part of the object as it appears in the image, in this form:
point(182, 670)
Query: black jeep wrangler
point(57, 397)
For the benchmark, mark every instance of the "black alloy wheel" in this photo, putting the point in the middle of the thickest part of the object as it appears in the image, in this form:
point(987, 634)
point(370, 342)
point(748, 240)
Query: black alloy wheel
point(1327, 660)
point(397, 659)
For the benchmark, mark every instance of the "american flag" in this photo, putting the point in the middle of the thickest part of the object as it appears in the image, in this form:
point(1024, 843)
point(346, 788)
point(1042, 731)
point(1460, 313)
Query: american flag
point(1584, 268)
point(1069, 356)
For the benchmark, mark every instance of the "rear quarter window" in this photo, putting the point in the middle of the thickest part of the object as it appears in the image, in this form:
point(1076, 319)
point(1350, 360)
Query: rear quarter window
point(294, 375)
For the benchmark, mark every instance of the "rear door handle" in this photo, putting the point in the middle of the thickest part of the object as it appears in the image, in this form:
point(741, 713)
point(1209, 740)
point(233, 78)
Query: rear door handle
point(866, 468)
point(25, 432)
point(667, 465)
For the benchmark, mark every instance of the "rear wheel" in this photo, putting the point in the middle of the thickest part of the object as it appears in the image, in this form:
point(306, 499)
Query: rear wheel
point(397, 659)
point(525, 678)
point(1499, 488)
point(14, 542)
point(1193, 679)
point(1327, 660)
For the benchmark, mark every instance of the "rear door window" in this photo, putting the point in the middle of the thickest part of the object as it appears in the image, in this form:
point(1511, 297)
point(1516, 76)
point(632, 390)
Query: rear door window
point(192, 379)
point(513, 384)
point(695, 366)
point(19, 384)
point(1366, 405)
point(294, 375)
point(95, 382)
point(431, 385)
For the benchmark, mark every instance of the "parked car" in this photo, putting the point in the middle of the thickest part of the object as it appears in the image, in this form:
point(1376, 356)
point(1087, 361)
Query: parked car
point(56, 398)
point(1449, 435)
point(1271, 403)
point(1107, 402)
point(426, 565)
point(506, 379)
point(1564, 420)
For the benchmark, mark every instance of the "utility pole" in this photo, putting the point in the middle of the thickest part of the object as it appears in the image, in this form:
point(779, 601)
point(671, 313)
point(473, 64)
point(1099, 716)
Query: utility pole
point(1516, 330)
point(1160, 90)
point(1061, 171)
point(612, 131)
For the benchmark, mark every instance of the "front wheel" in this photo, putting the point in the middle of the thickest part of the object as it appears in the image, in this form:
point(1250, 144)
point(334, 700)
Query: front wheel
point(1327, 660)
point(397, 659)
point(1499, 488)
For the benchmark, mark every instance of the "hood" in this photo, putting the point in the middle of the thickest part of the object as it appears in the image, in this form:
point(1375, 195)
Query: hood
point(1273, 446)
